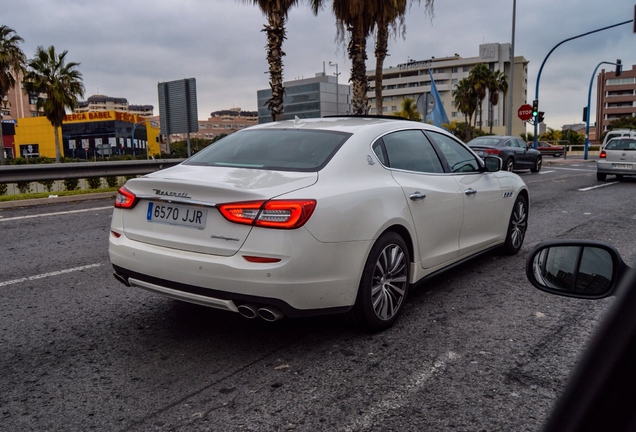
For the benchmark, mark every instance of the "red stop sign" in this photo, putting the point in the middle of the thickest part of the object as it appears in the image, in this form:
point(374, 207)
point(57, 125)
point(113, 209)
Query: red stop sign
point(525, 112)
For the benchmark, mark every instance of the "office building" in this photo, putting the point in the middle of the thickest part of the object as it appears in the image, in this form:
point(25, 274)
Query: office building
point(314, 97)
point(411, 79)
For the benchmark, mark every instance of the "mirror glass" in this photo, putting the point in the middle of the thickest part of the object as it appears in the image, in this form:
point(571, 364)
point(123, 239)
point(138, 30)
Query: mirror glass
point(579, 270)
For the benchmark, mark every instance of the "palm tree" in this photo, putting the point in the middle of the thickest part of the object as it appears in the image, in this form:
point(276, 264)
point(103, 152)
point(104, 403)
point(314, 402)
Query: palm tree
point(58, 86)
point(409, 110)
point(466, 101)
point(12, 61)
point(276, 12)
point(357, 18)
point(480, 76)
point(389, 15)
point(498, 83)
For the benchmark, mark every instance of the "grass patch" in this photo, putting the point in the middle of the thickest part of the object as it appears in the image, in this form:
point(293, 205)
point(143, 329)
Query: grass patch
point(37, 195)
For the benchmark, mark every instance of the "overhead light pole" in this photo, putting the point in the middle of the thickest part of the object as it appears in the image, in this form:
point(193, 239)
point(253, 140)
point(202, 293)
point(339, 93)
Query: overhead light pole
point(337, 87)
point(511, 80)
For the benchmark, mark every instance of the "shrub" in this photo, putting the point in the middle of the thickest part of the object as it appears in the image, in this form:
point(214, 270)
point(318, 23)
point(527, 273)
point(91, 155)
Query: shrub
point(71, 184)
point(48, 184)
point(3, 189)
point(111, 181)
point(94, 182)
point(24, 187)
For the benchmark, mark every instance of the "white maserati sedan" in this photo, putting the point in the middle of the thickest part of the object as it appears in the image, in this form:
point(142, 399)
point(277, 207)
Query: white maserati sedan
point(315, 216)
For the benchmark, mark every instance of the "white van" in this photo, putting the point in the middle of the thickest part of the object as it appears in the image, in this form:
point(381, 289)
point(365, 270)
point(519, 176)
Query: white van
point(618, 133)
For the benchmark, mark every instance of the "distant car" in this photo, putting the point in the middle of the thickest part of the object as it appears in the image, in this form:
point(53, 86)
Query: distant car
point(548, 149)
point(315, 216)
point(618, 158)
point(599, 395)
point(513, 151)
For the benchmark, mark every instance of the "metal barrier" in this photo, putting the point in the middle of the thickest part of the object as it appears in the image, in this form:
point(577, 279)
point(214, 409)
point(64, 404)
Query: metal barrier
point(79, 170)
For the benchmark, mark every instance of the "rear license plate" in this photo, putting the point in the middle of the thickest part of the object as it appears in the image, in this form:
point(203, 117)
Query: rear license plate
point(182, 215)
point(622, 166)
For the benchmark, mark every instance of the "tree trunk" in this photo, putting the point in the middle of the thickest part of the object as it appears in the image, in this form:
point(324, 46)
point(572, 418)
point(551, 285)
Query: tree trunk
point(57, 144)
point(2, 158)
point(275, 30)
point(382, 41)
point(358, 55)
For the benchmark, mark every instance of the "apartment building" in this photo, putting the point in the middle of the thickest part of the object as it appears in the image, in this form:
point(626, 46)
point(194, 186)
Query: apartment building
point(615, 97)
point(221, 122)
point(102, 103)
point(412, 79)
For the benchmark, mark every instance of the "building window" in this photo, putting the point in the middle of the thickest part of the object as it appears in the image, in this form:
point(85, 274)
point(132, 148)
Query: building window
point(466, 69)
point(620, 81)
point(455, 69)
point(393, 108)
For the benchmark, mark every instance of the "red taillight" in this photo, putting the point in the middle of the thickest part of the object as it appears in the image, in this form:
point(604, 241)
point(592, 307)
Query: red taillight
point(125, 199)
point(492, 151)
point(602, 155)
point(261, 260)
point(285, 214)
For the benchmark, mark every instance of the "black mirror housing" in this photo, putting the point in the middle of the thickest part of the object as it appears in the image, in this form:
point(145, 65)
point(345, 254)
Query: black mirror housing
point(575, 268)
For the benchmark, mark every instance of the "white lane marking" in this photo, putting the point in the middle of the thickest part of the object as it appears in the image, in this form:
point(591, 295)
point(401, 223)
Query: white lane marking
point(54, 214)
point(597, 186)
point(573, 169)
point(400, 397)
point(50, 274)
point(547, 172)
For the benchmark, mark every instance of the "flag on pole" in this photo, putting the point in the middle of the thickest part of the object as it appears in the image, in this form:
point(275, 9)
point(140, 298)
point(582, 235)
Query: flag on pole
point(439, 113)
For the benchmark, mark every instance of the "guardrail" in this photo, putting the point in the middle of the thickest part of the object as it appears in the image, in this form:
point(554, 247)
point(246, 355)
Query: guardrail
point(80, 170)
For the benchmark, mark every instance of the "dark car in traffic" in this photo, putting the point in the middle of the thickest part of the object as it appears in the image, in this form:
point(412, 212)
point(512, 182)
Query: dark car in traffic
point(513, 151)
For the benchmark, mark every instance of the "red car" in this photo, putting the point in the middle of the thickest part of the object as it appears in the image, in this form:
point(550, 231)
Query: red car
point(548, 149)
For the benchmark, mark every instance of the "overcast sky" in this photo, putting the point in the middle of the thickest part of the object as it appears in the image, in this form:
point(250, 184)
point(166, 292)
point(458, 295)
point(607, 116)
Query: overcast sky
point(126, 47)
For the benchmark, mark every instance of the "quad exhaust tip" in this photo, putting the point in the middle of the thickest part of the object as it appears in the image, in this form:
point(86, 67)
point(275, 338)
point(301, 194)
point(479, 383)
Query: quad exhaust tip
point(267, 313)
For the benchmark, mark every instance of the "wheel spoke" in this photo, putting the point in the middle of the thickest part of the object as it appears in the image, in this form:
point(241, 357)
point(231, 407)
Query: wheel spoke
point(389, 282)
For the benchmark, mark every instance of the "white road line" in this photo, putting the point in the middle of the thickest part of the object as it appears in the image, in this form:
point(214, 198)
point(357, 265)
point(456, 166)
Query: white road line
point(45, 275)
point(546, 172)
point(402, 396)
point(597, 186)
point(54, 214)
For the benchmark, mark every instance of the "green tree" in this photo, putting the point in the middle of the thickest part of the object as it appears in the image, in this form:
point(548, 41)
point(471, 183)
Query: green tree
point(58, 86)
point(480, 77)
point(466, 102)
point(497, 83)
point(550, 135)
point(12, 64)
point(276, 12)
point(409, 110)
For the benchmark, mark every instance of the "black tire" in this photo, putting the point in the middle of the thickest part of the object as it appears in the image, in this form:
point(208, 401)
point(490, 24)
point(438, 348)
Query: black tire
point(509, 165)
point(557, 155)
point(384, 284)
point(601, 176)
point(517, 226)
point(537, 165)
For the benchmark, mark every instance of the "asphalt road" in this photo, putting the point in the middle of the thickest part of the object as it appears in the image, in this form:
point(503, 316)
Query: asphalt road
point(477, 349)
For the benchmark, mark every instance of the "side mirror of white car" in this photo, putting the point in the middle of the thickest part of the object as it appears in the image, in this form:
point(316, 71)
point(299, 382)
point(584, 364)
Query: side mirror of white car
point(492, 163)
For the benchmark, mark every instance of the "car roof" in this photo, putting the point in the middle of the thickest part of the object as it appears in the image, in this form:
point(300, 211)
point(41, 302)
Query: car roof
point(348, 124)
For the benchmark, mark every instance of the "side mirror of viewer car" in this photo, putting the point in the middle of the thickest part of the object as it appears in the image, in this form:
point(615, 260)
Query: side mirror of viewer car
point(601, 390)
point(493, 163)
point(575, 268)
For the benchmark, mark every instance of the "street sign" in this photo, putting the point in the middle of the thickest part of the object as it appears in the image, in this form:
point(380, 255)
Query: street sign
point(525, 112)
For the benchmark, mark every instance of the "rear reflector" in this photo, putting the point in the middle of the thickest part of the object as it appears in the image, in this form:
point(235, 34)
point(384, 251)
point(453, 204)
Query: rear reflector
point(284, 214)
point(262, 260)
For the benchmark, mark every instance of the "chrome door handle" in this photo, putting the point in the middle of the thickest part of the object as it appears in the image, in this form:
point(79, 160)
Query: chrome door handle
point(470, 191)
point(417, 196)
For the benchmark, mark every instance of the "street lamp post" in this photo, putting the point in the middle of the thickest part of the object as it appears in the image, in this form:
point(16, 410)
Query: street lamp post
point(337, 87)
point(587, 110)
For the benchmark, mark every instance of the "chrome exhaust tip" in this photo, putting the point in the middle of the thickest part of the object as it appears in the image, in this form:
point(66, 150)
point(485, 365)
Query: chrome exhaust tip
point(270, 314)
point(121, 278)
point(249, 311)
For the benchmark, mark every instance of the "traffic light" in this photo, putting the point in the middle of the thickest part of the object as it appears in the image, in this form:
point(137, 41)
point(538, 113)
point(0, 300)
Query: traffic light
point(619, 68)
point(540, 117)
point(535, 108)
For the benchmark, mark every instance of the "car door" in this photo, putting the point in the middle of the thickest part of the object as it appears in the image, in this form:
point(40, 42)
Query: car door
point(434, 198)
point(484, 217)
point(527, 155)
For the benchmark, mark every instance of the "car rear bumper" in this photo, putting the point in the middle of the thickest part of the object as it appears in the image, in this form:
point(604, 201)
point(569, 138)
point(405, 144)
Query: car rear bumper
point(610, 168)
point(313, 280)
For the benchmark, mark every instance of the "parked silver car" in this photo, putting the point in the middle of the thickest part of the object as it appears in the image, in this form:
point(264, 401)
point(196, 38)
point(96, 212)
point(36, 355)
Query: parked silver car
point(618, 158)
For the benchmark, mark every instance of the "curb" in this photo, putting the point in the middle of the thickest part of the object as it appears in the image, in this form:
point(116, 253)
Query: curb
point(55, 200)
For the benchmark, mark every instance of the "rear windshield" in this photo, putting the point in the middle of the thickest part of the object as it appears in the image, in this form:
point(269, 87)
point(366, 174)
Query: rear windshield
point(272, 149)
point(621, 144)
